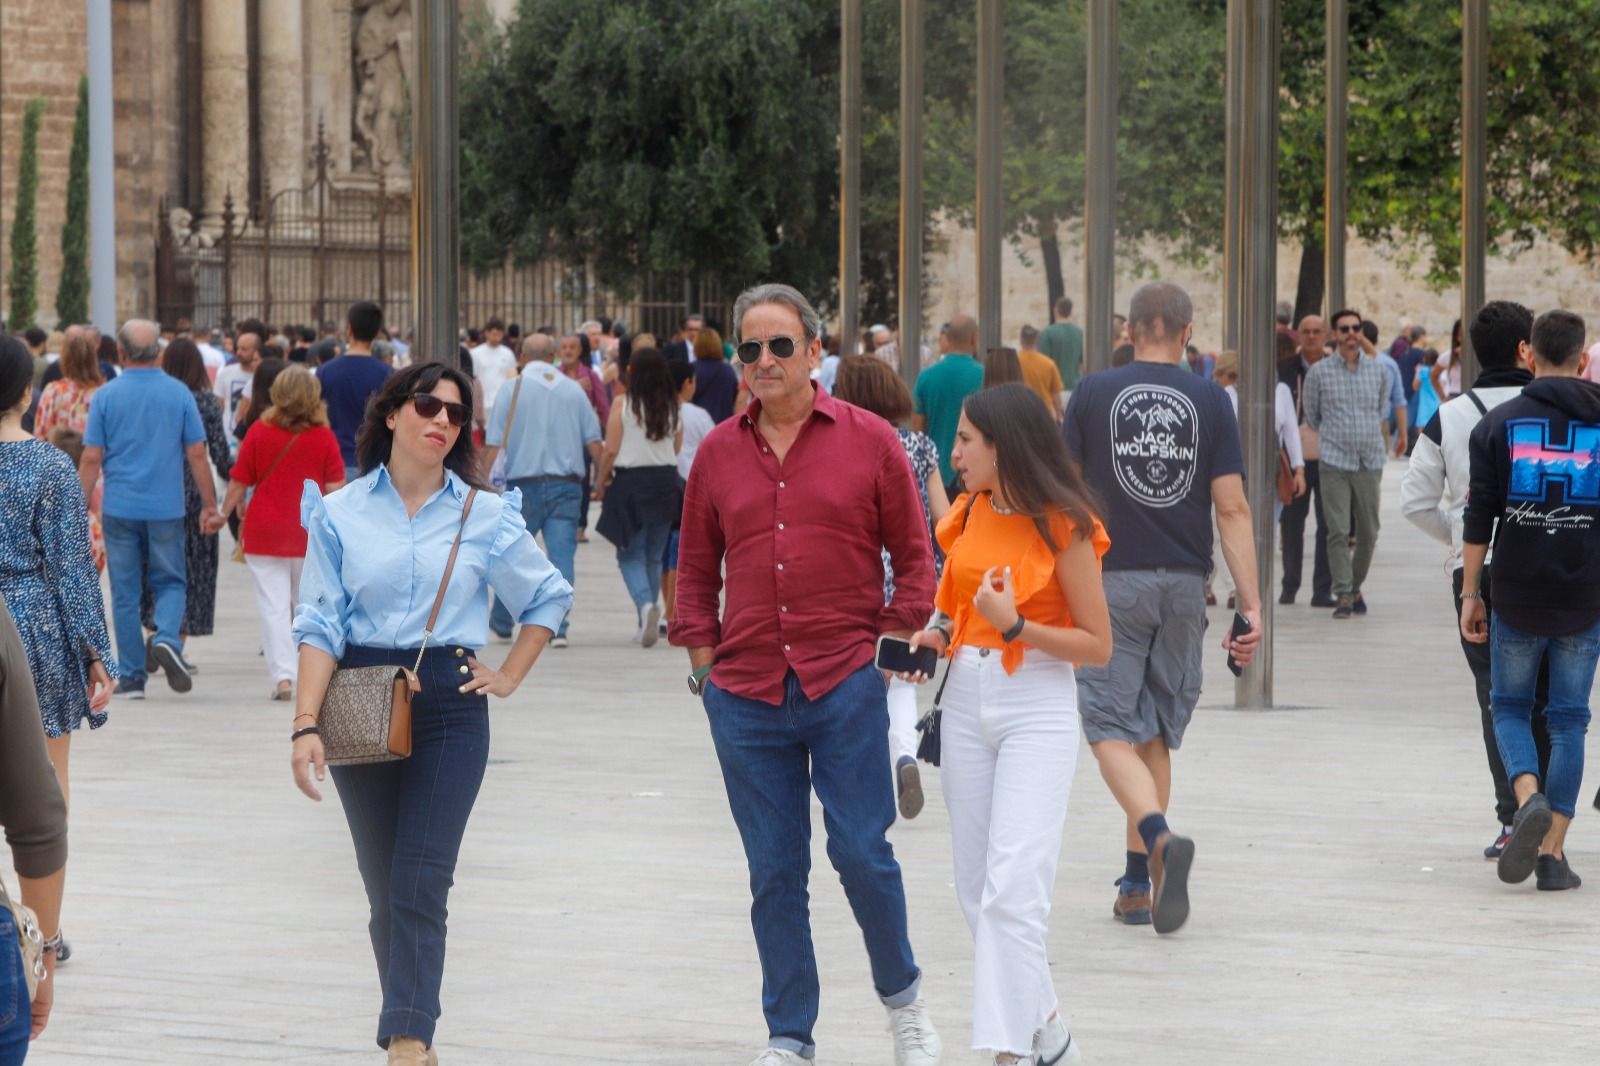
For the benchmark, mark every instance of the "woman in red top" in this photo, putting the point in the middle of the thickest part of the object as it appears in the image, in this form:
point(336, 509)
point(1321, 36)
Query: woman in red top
point(1020, 601)
point(289, 445)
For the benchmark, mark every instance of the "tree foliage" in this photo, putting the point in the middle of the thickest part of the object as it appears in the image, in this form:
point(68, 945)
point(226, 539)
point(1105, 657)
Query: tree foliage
point(22, 284)
point(72, 295)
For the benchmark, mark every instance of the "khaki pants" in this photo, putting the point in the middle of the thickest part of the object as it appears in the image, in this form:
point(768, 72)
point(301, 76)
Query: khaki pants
point(1350, 495)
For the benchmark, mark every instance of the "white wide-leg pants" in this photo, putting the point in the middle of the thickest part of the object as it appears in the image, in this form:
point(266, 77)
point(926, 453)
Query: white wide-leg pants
point(902, 721)
point(277, 581)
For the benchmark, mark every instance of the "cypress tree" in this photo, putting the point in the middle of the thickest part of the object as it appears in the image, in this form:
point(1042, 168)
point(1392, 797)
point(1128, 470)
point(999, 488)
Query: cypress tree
point(23, 282)
point(72, 297)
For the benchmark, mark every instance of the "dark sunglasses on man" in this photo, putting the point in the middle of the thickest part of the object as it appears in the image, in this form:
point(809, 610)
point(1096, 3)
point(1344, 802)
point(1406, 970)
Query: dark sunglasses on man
point(781, 347)
point(1347, 328)
point(428, 406)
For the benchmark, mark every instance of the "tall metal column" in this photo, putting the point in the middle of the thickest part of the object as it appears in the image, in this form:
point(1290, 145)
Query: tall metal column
point(849, 176)
point(1258, 269)
point(1474, 167)
point(1100, 186)
point(1337, 55)
point(910, 272)
point(102, 174)
point(435, 181)
point(991, 224)
point(1233, 178)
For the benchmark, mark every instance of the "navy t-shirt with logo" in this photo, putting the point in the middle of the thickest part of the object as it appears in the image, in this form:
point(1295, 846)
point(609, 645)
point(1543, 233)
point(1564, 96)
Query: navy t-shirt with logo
point(1150, 438)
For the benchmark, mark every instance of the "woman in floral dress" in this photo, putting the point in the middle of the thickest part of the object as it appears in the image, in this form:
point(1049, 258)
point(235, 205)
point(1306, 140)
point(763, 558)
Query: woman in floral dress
point(64, 407)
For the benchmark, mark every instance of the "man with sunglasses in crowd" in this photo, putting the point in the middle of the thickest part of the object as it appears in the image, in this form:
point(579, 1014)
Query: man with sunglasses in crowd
point(1346, 400)
point(795, 497)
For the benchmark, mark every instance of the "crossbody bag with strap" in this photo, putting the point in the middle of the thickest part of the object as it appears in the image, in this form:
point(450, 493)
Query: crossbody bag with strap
point(238, 545)
point(366, 713)
point(928, 748)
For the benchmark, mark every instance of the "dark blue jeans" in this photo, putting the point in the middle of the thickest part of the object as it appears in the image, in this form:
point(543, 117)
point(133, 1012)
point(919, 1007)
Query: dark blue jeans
point(132, 546)
point(16, 1014)
point(771, 759)
point(553, 508)
point(1514, 669)
point(407, 818)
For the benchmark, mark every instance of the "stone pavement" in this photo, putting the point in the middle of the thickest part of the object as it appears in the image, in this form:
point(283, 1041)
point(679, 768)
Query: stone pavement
point(1342, 910)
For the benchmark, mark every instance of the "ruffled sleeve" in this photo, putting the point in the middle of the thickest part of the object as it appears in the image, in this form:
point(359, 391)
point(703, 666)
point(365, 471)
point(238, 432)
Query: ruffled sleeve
point(322, 617)
point(521, 575)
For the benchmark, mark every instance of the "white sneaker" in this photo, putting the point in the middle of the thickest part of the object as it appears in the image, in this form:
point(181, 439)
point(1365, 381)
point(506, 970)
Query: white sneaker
point(773, 1056)
point(1055, 1045)
point(915, 1042)
point(558, 642)
point(651, 632)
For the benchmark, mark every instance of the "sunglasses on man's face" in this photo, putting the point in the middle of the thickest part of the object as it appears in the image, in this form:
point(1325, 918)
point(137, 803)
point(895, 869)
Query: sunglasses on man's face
point(1349, 329)
point(781, 347)
point(428, 406)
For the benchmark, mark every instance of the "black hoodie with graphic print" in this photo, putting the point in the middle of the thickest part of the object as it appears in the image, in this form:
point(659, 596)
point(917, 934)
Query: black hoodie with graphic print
point(1536, 471)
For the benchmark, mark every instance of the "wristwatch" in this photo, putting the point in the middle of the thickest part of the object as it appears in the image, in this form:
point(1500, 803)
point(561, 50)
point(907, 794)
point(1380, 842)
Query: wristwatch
point(697, 680)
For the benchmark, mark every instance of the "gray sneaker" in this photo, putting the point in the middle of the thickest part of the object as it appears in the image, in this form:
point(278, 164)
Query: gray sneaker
point(1521, 853)
point(171, 662)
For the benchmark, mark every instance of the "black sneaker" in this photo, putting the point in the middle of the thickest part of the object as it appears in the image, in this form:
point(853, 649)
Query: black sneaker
point(1521, 852)
point(1360, 604)
point(1554, 875)
point(64, 950)
point(1286, 598)
point(1324, 601)
point(129, 689)
point(178, 676)
point(1492, 852)
point(1344, 608)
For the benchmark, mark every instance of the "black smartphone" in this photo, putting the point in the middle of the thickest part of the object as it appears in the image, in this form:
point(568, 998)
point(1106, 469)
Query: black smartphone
point(895, 655)
point(1241, 626)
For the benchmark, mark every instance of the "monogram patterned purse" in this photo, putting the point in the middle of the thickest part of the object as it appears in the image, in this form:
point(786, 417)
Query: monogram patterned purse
point(366, 713)
point(29, 939)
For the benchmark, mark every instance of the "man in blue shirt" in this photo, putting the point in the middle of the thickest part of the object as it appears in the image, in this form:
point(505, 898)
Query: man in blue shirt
point(944, 387)
point(545, 436)
point(349, 381)
point(143, 426)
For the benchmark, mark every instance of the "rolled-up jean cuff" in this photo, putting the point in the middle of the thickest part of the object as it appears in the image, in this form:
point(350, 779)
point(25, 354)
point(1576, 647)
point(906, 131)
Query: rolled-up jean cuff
point(403, 1023)
point(784, 1043)
point(906, 997)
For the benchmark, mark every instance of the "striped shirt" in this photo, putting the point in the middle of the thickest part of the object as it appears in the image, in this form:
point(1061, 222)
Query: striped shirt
point(1346, 405)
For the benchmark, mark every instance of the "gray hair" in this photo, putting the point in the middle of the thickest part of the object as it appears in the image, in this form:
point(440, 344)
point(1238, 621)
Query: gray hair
point(140, 340)
point(1160, 301)
point(583, 327)
point(775, 293)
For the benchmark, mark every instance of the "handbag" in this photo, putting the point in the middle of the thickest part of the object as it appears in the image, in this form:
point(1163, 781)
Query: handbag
point(238, 543)
point(1285, 478)
point(30, 940)
point(929, 746)
point(366, 712)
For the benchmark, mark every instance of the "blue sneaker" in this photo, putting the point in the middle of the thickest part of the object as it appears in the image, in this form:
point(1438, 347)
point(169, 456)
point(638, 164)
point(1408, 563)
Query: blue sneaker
point(1492, 852)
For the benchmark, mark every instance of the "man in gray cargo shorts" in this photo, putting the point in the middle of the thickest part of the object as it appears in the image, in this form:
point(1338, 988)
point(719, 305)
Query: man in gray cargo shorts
point(1160, 445)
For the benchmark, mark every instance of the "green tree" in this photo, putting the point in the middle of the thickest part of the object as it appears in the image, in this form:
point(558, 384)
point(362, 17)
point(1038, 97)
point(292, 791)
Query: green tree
point(23, 282)
point(72, 296)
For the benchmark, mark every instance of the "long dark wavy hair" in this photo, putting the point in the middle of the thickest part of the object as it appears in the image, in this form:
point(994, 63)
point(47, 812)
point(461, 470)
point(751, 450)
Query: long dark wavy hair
point(1037, 475)
point(181, 360)
point(652, 398)
point(375, 439)
point(267, 371)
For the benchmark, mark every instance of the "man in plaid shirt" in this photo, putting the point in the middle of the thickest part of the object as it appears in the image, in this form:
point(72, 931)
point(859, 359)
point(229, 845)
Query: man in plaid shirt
point(1346, 400)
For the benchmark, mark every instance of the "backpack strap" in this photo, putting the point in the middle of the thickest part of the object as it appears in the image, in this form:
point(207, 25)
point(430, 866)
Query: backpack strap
point(1472, 394)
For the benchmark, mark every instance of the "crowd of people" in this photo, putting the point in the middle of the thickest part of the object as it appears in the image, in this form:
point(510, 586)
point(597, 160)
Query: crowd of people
point(1052, 537)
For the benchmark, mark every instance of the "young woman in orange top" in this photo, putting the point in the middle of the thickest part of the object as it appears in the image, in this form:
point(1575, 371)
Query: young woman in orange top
point(1019, 603)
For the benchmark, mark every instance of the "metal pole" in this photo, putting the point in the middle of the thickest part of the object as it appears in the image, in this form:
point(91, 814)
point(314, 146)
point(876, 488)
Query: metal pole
point(1474, 177)
point(1257, 351)
point(849, 176)
point(991, 223)
point(1337, 105)
point(1233, 203)
point(435, 244)
point(1100, 187)
point(910, 273)
point(102, 175)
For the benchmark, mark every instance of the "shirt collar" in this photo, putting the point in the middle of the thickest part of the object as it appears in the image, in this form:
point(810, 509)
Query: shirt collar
point(380, 476)
point(823, 404)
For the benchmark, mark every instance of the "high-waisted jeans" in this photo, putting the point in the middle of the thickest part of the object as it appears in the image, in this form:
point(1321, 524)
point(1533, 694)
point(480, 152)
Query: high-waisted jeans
point(16, 1014)
point(1514, 659)
point(407, 818)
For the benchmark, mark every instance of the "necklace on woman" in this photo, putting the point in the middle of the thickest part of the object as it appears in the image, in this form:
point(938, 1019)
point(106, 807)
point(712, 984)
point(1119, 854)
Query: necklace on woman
point(1004, 512)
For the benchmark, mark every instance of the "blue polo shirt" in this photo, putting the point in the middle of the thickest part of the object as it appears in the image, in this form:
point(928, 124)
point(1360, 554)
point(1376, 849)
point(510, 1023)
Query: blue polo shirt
point(554, 424)
point(144, 419)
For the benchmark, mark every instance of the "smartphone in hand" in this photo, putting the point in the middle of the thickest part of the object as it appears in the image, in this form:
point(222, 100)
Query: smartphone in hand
point(896, 657)
point(1241, 626)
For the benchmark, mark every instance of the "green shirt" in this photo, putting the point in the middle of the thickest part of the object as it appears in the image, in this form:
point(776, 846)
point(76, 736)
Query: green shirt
point(941, 390)
point(1063, 342)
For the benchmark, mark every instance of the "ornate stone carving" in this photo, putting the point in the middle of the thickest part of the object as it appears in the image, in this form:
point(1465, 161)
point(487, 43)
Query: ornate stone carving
point(382, 65)
point(185, 233)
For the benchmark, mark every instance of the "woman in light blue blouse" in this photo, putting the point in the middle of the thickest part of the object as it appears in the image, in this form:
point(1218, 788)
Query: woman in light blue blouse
point(377, 549)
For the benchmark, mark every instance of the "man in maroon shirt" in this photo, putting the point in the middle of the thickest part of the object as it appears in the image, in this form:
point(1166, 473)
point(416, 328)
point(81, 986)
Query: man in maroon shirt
point(795, 497)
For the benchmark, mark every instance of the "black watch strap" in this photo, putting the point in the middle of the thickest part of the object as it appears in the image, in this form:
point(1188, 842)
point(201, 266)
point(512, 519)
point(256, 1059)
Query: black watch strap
point(1015, 631)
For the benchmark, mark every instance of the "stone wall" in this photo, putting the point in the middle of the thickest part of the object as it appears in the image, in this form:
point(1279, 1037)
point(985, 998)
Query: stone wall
point(1379, 283)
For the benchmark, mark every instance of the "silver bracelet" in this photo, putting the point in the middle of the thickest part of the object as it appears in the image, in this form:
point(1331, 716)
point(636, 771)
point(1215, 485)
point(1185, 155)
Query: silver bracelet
point(53, 945)
point(1471, 595)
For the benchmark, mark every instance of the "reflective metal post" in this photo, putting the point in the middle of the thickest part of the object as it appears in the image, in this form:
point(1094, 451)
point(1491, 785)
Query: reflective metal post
point(849, 176)
point(1474, 177)
point(991, 224)
point(102, 175)
point(1100, 186)
point(435, 181)
point(910, 272)
point(1233, 178)
point(1257, 349)
point(1337, 55)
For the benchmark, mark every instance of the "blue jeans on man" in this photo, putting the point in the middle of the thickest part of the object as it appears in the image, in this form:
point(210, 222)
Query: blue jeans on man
point(552, 507)
point(1514, 669)
point(133, 546)
point(772, 757)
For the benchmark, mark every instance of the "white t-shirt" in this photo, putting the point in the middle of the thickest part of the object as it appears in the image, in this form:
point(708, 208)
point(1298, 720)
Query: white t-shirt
point(1452, 375)
point(214, 359)
point(233, 382)
point(492, 367)
point(697, 423)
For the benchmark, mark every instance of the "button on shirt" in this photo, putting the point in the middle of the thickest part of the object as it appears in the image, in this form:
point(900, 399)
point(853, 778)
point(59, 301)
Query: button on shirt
point(553, 425)
point(371, 572)
point(801, 543)
point(144, 419)
point(1346, 405)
